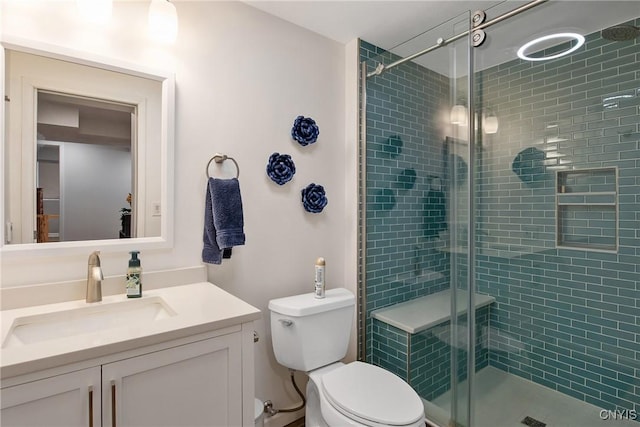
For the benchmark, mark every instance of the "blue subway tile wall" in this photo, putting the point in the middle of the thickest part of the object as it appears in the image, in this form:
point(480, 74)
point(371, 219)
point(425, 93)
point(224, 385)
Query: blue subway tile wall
point(390, 348)
point(567, 318)
point(404, 167)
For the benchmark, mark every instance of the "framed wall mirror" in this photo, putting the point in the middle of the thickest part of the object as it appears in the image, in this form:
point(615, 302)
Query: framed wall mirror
point(87, 152)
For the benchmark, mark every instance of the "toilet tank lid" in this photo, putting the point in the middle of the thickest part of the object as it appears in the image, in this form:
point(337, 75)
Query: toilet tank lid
point(307, 304)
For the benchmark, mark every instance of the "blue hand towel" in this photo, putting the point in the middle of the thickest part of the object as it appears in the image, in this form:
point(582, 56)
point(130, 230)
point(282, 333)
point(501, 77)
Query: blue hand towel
point(223, 219)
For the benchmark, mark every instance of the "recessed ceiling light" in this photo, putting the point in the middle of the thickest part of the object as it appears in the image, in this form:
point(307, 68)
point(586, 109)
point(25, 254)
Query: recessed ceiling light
point(579, 41)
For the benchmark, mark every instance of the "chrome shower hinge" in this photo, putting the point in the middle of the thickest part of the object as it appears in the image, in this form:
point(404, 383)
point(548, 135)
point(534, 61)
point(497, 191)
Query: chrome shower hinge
point(478, 37)
point(478, 17)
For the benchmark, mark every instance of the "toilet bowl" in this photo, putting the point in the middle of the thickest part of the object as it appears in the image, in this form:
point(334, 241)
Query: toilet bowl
point(312, 335)
point(359, 394)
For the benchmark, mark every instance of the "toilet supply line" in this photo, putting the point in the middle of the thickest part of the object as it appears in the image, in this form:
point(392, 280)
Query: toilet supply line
point(268, 405)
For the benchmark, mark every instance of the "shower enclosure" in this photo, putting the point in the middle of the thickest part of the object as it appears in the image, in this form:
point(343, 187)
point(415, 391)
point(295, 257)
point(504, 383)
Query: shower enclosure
point(500, 223)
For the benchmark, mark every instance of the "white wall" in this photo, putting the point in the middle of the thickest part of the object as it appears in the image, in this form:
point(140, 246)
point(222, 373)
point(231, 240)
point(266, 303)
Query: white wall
point(242, 77)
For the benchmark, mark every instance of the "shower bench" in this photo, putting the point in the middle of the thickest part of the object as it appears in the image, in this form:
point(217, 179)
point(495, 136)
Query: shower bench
point(413, 339)
point(425, 312)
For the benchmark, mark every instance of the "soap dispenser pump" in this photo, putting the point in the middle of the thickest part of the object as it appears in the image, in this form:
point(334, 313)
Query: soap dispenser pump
point(134, 276)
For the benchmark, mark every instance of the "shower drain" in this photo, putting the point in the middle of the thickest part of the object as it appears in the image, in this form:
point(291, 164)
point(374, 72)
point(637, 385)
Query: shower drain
point(532, 422)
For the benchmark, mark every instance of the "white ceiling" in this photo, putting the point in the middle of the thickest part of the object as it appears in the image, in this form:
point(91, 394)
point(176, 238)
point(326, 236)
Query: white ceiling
point(388, 24)
point(384, 23)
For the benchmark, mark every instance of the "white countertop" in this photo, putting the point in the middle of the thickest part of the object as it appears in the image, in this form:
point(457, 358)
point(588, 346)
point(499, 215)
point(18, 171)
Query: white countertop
point(198, 308)
point(422, 313)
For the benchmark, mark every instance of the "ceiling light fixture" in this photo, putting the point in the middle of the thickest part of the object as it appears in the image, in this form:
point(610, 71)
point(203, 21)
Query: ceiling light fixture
point(579, 41)
point(163, 21)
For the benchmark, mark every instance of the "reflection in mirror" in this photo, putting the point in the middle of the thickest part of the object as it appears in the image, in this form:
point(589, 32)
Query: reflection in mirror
point(87, 152)
point(84, 146)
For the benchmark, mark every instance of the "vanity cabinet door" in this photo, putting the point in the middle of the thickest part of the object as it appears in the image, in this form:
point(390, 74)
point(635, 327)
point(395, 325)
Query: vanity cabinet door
point(197, 384)
point(67, 400)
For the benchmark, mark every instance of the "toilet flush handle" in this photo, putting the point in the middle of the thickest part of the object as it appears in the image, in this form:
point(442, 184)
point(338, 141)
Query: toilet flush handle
point(286, 322)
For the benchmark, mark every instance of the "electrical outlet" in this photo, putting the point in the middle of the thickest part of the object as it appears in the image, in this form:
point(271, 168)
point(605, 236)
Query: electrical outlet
point(155, 209)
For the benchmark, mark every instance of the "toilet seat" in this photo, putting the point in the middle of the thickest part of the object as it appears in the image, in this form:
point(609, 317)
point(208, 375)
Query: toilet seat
point(372, 396)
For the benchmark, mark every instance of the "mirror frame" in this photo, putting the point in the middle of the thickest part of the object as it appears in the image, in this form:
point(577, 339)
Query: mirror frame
point(165, 240)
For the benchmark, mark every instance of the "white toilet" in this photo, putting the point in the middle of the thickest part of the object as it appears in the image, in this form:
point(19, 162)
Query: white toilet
point(312, 335)
point(258, 413)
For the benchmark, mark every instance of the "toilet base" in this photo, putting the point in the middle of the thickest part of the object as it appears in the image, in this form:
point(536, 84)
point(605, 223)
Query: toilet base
point(313, 413)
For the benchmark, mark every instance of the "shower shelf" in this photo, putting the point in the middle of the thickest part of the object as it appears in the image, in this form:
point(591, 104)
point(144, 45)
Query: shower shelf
point(602, 198)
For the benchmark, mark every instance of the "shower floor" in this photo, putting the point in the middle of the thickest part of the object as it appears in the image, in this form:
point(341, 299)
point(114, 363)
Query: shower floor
point(504, 400)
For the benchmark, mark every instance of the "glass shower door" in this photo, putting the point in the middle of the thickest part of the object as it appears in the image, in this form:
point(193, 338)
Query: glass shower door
point(506, 190)
point(557, 215)
point(415, 177)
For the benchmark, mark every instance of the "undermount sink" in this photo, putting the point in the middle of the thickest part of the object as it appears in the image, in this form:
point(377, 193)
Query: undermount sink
point(91, 318)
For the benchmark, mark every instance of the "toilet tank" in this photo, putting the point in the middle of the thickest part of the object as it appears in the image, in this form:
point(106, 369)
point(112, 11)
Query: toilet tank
point(309, 332)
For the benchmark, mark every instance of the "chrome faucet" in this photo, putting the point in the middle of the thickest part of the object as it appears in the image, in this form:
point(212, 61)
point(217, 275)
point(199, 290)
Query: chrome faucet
point(94, 278)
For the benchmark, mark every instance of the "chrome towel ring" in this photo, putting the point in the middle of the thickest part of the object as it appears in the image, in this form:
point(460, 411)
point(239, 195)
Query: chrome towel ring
point(219, 158)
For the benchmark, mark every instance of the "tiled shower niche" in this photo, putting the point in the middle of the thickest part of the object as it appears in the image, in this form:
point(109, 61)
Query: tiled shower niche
point(587, 209)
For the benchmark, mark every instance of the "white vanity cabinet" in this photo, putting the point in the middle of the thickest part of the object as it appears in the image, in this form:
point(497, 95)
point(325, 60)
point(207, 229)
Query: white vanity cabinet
point(198, 383)
point(70, 400)
point(184, 356)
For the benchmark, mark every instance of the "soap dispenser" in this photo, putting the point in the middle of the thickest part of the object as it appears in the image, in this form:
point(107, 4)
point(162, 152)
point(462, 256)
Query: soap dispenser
point(134, 276)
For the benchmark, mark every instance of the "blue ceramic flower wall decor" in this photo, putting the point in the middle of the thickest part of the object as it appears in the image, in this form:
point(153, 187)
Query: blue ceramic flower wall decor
point(280, 168)
point(305, 130)
point(314, 198)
